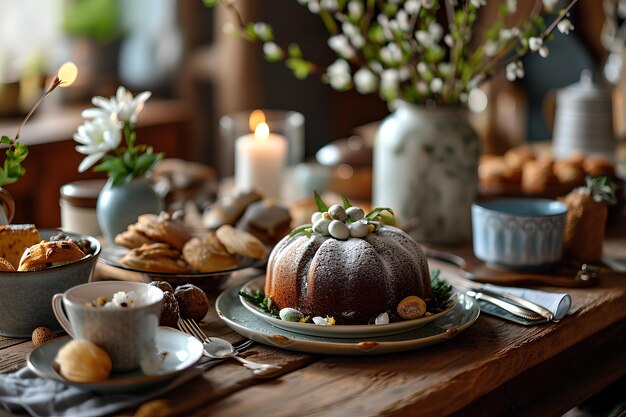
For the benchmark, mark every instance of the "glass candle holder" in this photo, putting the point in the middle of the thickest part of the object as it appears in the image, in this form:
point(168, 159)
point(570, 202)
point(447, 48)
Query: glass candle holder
point(287, 123)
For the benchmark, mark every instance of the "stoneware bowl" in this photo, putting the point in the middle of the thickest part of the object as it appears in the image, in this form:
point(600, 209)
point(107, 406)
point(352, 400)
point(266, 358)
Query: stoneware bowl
point(518, 233)
point(25, 297)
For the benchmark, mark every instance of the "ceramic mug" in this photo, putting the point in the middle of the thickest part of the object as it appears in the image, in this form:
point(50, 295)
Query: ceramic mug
point(128, 334)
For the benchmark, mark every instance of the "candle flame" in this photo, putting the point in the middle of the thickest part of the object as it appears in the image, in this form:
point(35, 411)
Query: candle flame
point(262, 131)
point(67, 74)
point(256, 117)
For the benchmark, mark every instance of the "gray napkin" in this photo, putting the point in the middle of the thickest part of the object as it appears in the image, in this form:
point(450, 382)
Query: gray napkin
point(44, 397)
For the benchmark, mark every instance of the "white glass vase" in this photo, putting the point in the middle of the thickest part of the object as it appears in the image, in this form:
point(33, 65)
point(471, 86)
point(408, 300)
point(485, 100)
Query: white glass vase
point(425, 169)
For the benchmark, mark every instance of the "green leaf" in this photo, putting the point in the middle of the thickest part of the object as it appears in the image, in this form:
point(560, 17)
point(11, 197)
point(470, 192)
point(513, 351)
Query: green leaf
point(346, 203)
point(375, 214)
point(211, 3)
point(294, 51)
point(321, 206)
point(305, 229)
point(5, 140)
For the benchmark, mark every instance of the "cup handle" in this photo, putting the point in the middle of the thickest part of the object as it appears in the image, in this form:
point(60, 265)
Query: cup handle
point(57, 308)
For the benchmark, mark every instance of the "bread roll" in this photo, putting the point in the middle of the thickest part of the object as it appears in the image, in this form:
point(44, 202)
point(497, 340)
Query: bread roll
point(49, 254)
point(83, 361)
point(14, 239)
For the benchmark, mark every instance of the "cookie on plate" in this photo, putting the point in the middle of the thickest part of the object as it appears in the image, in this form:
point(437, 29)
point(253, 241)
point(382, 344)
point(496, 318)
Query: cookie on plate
point(155, 257)
point(239, 242)
point(207, 254)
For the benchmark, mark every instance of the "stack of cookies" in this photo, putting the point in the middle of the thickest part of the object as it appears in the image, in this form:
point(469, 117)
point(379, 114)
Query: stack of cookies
point(163, 244)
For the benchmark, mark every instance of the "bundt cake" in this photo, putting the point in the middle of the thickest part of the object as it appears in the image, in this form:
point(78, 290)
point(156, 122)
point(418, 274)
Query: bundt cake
point(346, 266)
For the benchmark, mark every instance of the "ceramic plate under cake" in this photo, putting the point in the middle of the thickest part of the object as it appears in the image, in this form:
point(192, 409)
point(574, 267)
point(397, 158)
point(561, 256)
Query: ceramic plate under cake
point(243, 321)
point(365, 330)
point(112, 255)
point(178, 351)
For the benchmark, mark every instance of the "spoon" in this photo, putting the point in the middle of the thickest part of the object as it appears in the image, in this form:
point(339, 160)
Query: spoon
point(217, 348)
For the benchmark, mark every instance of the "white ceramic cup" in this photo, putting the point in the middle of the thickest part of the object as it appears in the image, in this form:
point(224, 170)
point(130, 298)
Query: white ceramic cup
point(128, 334)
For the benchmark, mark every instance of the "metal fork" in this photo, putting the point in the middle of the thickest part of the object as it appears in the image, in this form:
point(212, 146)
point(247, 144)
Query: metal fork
point(217, 348)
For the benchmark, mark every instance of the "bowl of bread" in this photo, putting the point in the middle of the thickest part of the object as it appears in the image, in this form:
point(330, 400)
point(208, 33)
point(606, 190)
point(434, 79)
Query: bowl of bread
point(35, 265)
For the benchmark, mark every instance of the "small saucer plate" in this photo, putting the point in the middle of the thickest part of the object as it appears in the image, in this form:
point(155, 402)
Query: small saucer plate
point(178, 352)
point(365, 330)
point(241, 320)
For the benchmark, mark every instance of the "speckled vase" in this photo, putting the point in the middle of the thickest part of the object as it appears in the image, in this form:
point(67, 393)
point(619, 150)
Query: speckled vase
point(425, 169)
point(119, 206)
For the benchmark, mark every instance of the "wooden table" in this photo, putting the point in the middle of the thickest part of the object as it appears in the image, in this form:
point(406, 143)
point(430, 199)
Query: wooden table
point(493, 368)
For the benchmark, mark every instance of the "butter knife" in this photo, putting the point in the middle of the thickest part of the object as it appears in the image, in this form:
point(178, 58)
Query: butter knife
point(505, 305)
point(536, 308)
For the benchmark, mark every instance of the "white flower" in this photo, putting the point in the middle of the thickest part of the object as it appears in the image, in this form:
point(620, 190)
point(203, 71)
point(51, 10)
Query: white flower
point(358, 41)
point(320, 321)
point(382, 318)
point(123, 106)
point(355, 9)
point(339, 74)
point(96, 138)
point(403, 20)
point(271, 50)
point(534, 43)
point(550, 4)
point(349, 29)
point(365, 81)
point(314, 7)
point(340, 44)
point(511, 5)
point(423, 37)
point(412, 6)
point(422, 68)
point(262, 30)
point(514, 70)
point(436, 85)
point(478, 3)
point(404, 73)
point(490, 48)
point(565, 26)
point(436, 32)
point(505, 34)
point(330, 5)
point(427, 4)
point(391, 54)
point(421, 87)
point(544, 51)
point(389, 81)
point(449, 40)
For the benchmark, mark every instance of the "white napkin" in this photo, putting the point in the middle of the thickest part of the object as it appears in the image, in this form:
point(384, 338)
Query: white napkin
point(44, 397)
point(558, 303)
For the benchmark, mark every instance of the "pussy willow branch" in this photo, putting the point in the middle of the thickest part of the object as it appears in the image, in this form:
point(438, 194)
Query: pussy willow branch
point(53, 84)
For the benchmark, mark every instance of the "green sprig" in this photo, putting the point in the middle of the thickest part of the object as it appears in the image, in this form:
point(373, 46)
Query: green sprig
point(12, 169)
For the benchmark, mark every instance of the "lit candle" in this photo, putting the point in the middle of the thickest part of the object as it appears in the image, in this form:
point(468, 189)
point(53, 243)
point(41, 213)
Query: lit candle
point(260, 159)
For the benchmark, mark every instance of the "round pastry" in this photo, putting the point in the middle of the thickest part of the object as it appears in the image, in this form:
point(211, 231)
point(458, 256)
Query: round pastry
point(351, 279)
point(192, 302)
point(597, 165)
point(515, 158)
point(6, 265)
point(156, 257)
point(132, 238)
point(169, 310)
point(83, 361)
point(240, 242)
point(207, 254)
point(267, 221)
point(49, 254)
point(538, 176)
point(163, 229)
point(569, 173)
point(163, 286)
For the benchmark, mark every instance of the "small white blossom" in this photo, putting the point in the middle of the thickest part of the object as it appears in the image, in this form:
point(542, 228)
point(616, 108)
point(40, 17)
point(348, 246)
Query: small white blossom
point(271, 50)
point(389, 81)
point(515, 31)
point(355, 9)
point(365, 81)
point(490, 48)
point(403, 20)
point(330, 5)
point(123, 106)
point(391, 53)
point(534, 43)
point(339, 43)
point(427, 4)
point(511, 5)
point(505, 34)
point(565, 26)
point(349, 29)
point(404, 73)
point(262, 30)
point(320, 321)
point(96, 138)
point(339, 74)
point(514, 70)
point(412, 6)
point(357, 41)
point(449, 40)
point(423, 37)
point(422, 68)
point(436, 85)
point(478, 3)
point(550, 4)
point(382, 318)
point(421, 87)
point(544, 51)
point(314, 7)
point(436, 32)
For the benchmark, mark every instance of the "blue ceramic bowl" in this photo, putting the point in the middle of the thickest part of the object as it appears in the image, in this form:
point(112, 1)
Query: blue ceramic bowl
point(514, 233)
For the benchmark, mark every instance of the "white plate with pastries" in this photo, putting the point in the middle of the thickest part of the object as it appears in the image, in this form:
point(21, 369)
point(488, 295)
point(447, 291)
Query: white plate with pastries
point(338, 331)
point(178, 352)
